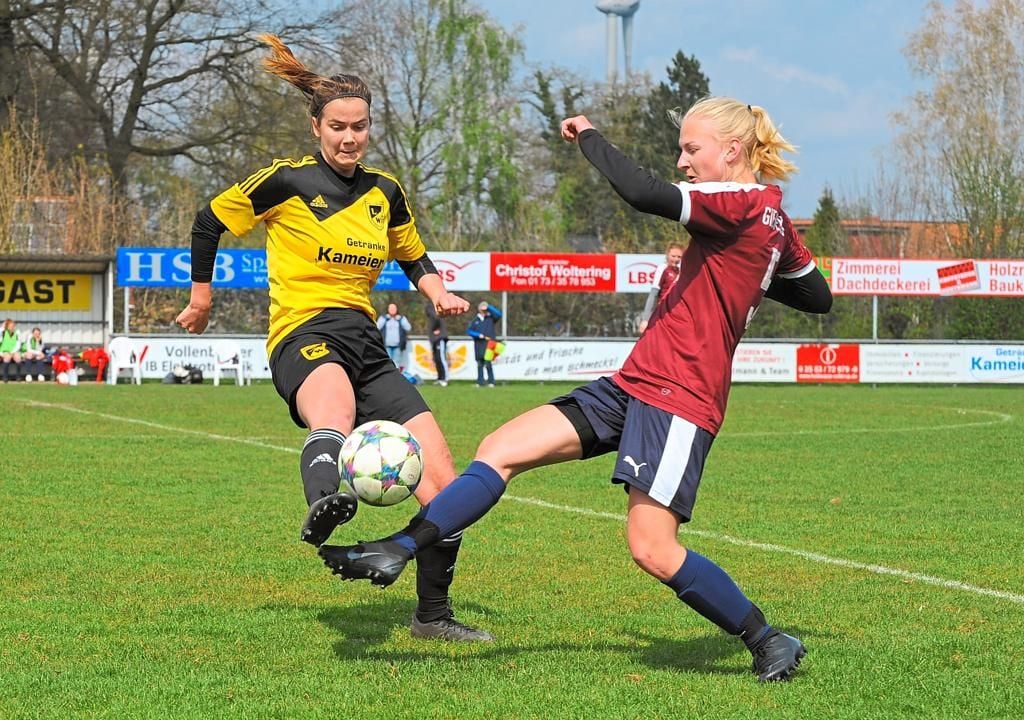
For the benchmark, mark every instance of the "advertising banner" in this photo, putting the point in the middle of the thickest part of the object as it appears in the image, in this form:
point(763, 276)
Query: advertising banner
point(553, 272)
point(881, 276)
point(462, 271)
point(45, 292)
point(580, 361)
point(172, 267)
point(764, 362)
point(828, 363)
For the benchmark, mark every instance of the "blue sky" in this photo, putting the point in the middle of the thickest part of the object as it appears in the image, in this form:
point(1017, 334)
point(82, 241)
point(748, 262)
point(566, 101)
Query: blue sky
point(831, 72)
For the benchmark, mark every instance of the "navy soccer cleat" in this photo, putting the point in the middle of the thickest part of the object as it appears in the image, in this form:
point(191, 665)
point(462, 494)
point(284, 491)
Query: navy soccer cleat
point(379, 562)
point(326, 514)
point(776, 656)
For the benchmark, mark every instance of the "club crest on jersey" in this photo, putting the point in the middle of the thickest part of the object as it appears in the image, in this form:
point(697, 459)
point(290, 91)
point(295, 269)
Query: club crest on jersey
point(377, 215)
point(315, 351)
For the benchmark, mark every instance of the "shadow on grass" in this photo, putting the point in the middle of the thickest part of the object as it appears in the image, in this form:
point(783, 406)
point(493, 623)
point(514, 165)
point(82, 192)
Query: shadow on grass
point(367, 629)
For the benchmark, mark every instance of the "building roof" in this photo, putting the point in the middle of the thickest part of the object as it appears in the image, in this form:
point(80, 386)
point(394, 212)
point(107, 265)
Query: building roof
point(55, 263)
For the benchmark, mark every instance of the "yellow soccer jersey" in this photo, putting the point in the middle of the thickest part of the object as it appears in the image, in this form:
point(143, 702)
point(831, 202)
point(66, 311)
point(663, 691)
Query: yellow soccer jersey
point(328, 237)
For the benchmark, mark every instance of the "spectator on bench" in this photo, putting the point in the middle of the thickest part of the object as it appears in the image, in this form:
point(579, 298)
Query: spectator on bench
point(10, 348)
point(34, 355)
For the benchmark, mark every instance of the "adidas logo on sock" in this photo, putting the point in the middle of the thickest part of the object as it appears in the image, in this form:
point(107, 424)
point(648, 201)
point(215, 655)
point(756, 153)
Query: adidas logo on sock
point(323, 457)
point(318, 202)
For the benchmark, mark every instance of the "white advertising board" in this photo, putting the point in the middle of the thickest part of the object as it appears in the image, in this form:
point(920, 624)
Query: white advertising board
point(583, 360)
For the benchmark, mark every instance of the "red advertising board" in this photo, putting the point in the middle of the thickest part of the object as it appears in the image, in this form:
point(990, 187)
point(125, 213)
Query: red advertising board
point(553, 272)
point(828, 363)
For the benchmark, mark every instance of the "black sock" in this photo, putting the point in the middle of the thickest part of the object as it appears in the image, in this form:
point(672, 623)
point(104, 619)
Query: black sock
point(435, 570)
point(753, 627)
point(318, 463)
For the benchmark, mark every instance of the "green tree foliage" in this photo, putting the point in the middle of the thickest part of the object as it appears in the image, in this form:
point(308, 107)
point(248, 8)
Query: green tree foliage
point(635, 116)
point(445, 111)
point(656, 146)
point(826, 236)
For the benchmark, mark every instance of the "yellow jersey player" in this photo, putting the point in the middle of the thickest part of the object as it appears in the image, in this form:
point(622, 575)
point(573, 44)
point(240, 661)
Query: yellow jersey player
point(332, 224)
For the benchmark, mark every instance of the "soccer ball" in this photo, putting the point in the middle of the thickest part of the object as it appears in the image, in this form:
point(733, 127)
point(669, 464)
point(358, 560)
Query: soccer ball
point(382, 463)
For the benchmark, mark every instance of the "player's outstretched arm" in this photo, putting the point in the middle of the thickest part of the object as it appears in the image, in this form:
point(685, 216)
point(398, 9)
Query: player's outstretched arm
point(640, 188)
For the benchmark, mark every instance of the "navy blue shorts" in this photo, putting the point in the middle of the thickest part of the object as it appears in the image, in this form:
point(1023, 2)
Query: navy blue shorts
point(659, 453)
point(350, 339)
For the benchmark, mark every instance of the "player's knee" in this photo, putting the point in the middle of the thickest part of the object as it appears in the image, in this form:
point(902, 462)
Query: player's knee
point(653, 556)
point(496, 452)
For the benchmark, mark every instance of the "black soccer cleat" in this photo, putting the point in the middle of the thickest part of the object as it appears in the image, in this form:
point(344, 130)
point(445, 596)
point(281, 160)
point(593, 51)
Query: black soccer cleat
point(379, 562)
point(776, 656)
point(448, 629)
point(326, 514)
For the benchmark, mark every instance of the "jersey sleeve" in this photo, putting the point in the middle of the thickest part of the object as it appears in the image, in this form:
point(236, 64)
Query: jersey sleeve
point(406, 243)
point(717, 209)
point(242, 206)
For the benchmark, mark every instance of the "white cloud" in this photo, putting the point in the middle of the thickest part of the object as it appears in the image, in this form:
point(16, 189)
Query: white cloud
point(755, 62)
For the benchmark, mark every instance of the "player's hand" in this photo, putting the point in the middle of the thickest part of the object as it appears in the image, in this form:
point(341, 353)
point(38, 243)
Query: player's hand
point(448, 304)
point(196, 315)
point(572, 127)
point(643, 326)
point(194, 318)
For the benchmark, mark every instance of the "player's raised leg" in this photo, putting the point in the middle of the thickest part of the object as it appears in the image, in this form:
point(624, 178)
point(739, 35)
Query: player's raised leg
point(325, 402)
point(511, 449)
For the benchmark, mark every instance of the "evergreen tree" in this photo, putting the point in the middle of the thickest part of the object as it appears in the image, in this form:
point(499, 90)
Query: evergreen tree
point(826, 236)
point(657, 145)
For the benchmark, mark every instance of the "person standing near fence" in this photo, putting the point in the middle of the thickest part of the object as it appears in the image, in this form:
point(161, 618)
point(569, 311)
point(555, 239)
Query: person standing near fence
point(395, 328)
point(437, 331)
point(332, 224)
point(482, 330)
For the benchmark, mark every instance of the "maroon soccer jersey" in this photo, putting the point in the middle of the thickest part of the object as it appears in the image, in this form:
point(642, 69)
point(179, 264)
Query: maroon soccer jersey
point(665, 277)
point(741, 239)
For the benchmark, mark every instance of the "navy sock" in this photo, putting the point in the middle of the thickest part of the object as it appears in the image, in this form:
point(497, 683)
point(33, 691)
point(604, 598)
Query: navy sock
point(709, 590)
point(462, 503)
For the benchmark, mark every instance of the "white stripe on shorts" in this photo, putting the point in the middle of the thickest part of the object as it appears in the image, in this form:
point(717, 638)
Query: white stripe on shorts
point(673, 462)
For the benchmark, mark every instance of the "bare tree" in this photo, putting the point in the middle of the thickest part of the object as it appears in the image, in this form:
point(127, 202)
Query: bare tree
point(962, 138)
point(142, 71)
point(444, 107)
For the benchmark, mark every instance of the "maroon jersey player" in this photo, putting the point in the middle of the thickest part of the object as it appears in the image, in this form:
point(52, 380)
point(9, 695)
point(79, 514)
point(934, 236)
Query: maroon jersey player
point(661, 411)
point(664, 278)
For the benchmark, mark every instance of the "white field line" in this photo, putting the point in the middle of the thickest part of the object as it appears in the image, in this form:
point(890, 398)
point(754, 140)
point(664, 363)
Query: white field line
point(997, 418)
point(804, 554)
point(718, 537)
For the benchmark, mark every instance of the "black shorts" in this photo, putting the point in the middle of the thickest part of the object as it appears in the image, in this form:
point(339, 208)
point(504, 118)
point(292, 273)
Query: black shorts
point(350, 339)
point(659, 453)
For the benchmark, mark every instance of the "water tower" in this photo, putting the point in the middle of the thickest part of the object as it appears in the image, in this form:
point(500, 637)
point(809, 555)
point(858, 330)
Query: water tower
point(619, 9)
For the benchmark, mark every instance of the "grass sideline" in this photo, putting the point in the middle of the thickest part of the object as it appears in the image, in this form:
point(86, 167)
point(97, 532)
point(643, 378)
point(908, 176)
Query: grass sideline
point(151, 566)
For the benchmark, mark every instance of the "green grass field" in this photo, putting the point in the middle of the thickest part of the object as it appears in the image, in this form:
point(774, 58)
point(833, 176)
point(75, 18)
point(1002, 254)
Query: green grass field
point(151, 566)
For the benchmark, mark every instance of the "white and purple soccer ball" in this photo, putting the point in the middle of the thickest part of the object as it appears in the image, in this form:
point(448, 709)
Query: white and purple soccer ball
point(382, 462)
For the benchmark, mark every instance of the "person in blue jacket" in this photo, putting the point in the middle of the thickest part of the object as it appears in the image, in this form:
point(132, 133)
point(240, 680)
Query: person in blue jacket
point(481, 329)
